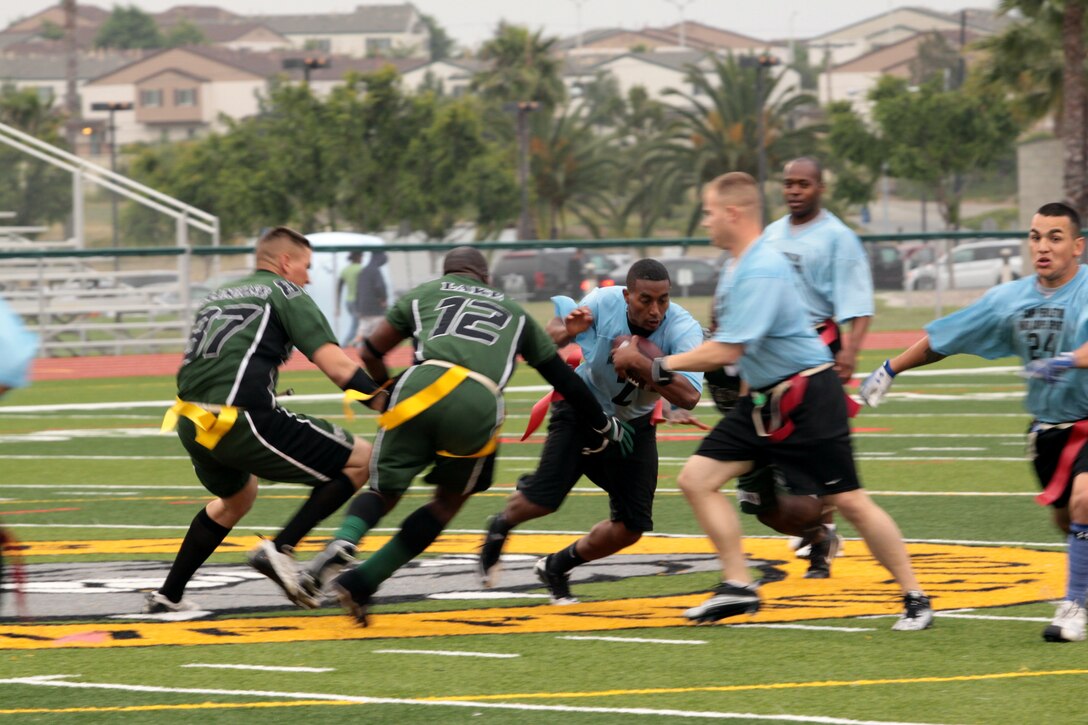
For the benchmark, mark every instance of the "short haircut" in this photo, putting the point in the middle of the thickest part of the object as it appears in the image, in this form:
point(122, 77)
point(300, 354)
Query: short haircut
point(284, 233)
point(816, 165)
point(736, 188)
point(648, 269)
point(466, 261)
point(1059, 208)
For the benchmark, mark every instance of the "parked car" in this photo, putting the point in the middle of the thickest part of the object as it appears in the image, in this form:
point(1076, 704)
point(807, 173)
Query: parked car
point(538, 274)
point(690, 276)
point(974, 265)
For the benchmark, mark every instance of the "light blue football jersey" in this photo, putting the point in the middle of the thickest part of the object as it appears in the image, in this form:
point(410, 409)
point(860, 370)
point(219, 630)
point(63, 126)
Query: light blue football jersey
point(1016, 318)
point(830, 261)
point(678, 332)
point(757, 305)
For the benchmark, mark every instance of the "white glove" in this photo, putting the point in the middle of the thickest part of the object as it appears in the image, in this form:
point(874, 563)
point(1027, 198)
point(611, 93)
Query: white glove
point(875, 387)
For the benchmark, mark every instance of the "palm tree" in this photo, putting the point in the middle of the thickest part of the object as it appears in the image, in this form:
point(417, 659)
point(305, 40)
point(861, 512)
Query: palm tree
point(1041, 60)
point(572, 170)
point(716, 130)
point(523, 67)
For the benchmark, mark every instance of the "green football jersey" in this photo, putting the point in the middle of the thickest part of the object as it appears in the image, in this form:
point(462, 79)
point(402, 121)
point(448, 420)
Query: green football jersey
point(465, 322)
point(243, 332)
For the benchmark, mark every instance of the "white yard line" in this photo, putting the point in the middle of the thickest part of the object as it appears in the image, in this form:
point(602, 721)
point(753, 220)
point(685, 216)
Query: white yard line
point(445, 653)
point(805, 626)
point(59, 681)
point(261, 668)
point(641, 640)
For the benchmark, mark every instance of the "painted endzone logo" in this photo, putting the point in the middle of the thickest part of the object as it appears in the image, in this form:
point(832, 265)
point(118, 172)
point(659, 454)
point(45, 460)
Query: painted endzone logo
point(954, 576)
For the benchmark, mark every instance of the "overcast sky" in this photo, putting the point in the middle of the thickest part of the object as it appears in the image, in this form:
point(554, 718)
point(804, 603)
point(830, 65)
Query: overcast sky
point(471, 21)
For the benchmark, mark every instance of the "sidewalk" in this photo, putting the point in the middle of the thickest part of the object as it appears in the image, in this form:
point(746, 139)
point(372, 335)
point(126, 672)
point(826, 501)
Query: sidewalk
point(123, 366)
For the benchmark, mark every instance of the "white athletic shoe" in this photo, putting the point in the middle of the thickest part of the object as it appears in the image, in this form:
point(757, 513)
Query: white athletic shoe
point(157, 603)
point(1069, 623)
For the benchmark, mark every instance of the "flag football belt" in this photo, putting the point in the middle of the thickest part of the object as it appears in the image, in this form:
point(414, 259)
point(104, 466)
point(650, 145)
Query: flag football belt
point(782, 399)
point(212, 421)
point(828, 330)
point(1078, 436)
point(423, 399)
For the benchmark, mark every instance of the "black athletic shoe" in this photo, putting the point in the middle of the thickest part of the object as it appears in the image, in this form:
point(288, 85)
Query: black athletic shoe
point(491, 552)
point(336, 555)
point(917, 613)
point(353, 600)
point(558, 584)
point(727, 600)
point(821, 554)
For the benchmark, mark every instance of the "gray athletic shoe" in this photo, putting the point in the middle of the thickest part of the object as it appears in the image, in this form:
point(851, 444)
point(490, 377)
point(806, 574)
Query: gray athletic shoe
point(728, 600)
point(280, 567)
point(917, 613)
point(336, 555)
point(558, 584)
point(157, 603)
point(1069, 623)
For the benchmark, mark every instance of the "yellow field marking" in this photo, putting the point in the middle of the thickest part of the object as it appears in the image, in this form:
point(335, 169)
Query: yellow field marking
point(187, 706)
point(956, 577)
point(766, 686)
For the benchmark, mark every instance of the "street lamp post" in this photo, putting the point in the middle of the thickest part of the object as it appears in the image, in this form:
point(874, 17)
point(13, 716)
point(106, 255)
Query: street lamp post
point(760, 62)
point(306, 64)
point(113, 107)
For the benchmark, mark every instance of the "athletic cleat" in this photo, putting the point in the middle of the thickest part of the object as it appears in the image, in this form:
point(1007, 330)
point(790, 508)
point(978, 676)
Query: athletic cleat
point(157, 603)
point(1069, 623)
point(821, 554)
point(354, 602)
point(336, 555)
point(280, 567)
point(491, 553)
point(728, 600)
point(917, 613)
point(558, 584)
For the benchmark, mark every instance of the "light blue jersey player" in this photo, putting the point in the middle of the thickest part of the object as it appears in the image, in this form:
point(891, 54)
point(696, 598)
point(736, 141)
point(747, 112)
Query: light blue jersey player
point(1043, 320)
point(756, 305)
point(677, 331)
point(641, 308)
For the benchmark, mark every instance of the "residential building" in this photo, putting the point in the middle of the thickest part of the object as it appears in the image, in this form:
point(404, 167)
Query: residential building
point(367, 31)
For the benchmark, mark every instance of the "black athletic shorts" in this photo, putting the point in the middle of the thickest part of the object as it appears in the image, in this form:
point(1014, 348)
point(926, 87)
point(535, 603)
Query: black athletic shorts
point(630, 482)
point(817, 458)
point(1046, 450)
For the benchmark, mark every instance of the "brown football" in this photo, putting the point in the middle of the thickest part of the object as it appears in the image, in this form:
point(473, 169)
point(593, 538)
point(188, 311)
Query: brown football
point(793, 514)
point(648, 349)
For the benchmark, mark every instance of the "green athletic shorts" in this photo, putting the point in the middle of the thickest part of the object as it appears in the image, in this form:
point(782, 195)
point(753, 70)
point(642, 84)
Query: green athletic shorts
point(461, 423)
point(276, 445)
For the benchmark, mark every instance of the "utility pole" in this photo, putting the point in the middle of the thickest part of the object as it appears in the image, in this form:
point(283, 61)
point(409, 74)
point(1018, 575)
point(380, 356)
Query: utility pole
point(113, 107)
point(578, 20)
point(761, 63)
point(680, 5)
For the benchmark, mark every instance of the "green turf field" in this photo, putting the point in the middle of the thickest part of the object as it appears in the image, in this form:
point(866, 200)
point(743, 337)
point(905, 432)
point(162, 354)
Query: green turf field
point(944, 455)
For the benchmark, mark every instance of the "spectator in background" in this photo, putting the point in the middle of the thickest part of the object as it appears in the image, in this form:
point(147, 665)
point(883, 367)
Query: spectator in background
point(576, 273)
point(371, 296)
point(345, 290)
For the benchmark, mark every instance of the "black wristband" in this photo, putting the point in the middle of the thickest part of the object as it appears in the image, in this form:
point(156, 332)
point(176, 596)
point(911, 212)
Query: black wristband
point(659, 374)
point(371, 349)
point(361, 382)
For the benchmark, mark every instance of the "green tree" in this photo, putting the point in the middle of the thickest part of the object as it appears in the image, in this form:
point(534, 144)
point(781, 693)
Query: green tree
point(523, 67)
point(643, 120)
point(37, 192)
point(1040, 61)
point(857, 155)
point(128, 28)
point(441, 44)
point(716, 130)
point(802, 64)
point(936, 58)
point(184, 33)
point(572, 170)
point(51, 31)
point(934, 136)
point(602, 100)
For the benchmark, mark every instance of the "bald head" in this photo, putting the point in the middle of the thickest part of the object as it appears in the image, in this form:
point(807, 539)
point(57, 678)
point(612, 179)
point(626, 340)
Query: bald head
point(467, 262)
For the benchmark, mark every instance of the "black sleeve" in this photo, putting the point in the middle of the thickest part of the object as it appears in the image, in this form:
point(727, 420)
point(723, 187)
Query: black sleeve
point(561, 377)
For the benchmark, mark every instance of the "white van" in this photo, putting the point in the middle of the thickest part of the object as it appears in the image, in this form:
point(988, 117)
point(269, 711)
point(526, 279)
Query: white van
point(325, 271)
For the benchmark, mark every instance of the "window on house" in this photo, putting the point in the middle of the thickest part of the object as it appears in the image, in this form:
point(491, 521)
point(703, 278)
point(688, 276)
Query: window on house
point(378, 46)
point(151, 98)
point(184, 96)
point(322, 44)
point(45, 93)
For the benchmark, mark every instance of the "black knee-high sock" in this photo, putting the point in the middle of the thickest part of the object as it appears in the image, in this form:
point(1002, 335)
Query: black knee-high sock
point(418, 531)
point(203, 538)
point(323, 502)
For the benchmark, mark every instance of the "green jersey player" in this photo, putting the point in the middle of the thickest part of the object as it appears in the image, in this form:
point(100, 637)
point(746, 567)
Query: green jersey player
point(444, 413)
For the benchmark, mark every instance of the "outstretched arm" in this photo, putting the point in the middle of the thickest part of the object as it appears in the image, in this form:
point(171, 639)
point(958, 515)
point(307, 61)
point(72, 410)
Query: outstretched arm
point(876, 386)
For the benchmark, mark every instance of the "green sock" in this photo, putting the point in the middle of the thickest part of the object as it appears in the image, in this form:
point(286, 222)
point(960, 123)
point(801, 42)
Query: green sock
point(352, 529)
point(364, 511)
point(417, 532)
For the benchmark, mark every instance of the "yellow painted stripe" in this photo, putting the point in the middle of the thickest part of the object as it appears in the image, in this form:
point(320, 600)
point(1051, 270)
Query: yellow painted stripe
point(186, 706)
point(954, 576)
point(766, 686)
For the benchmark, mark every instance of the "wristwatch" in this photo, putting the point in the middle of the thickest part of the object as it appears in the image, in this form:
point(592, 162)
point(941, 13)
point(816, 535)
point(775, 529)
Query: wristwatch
point(660, 374)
